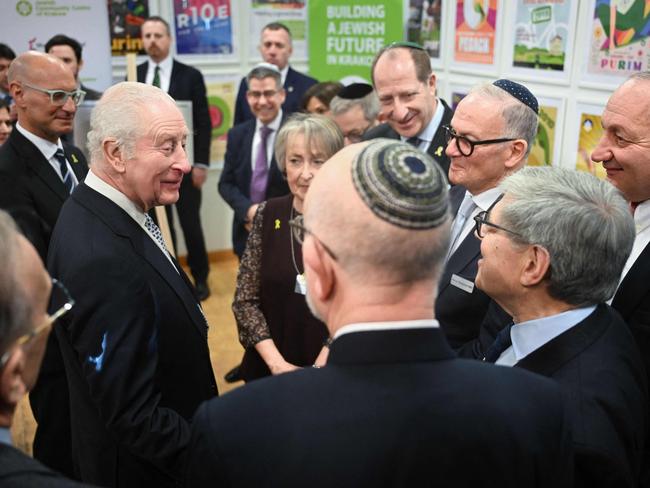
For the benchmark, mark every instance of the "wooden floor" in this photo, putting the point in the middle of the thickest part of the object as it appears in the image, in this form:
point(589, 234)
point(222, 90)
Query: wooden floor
point(225, 350)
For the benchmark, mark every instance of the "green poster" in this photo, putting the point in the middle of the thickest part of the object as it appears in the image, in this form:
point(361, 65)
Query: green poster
point(345, 35)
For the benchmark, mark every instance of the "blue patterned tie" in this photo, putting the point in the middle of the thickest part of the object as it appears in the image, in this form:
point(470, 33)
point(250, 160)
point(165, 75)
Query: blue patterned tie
point(67, 178)
point(153, 229)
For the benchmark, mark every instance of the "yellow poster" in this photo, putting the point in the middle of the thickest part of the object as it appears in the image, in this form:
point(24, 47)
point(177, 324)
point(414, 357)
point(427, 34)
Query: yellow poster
point(590, 132)
point(542, 152)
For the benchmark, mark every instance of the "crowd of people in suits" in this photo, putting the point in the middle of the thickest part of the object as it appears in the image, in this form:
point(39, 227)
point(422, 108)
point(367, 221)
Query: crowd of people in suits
point(391, 250)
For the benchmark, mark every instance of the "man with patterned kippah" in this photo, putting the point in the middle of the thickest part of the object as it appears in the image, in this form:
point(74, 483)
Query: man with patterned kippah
point(406, 87)
point(490, 137)
point(393, 406)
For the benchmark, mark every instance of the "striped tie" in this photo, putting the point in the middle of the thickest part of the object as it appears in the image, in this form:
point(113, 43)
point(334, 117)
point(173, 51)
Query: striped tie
point(67, 178)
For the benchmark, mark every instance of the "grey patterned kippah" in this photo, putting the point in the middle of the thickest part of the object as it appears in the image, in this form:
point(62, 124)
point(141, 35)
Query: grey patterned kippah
point(520, 92)
point(401, 184)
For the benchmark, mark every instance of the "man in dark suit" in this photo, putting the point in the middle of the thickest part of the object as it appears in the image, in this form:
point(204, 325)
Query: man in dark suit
point(135, 346)
point(275, 47)
point(393, 406)
point(25, 290)
point(69, 51)
point(37, 173)
point(7, 55)
point(624, 151)
point(250, 174)
point(553, 249)
point(183, 82)
point(490, 136)
point(406, 87)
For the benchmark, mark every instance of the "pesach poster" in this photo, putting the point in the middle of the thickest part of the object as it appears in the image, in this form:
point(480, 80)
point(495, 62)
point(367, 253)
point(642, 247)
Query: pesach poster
point(476, 22)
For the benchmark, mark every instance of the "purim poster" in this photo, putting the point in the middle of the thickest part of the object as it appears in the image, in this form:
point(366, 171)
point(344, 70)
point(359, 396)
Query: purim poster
point(619, 34)
point(125, 19)
point(425, 25)
point(221, 104)
point(475, 36)
point(543, 34)
point(203, 26)
point(292, 14)
point(590, 132)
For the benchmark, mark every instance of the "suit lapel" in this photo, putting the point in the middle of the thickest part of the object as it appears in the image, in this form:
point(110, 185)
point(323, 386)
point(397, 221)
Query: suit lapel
point(173, 80)
point(555, 353)
point(78, 168)
point(142, 72)
point(438, 144)
point(634, 286)
point(247, 171)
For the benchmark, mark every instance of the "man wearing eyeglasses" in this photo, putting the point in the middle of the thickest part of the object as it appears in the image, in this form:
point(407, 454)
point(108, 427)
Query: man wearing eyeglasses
point(250, 173)
point(37, 174)
point(406, 87)
point(489, 137)
point(25, 290)
point(553, 249)
point(354, 109)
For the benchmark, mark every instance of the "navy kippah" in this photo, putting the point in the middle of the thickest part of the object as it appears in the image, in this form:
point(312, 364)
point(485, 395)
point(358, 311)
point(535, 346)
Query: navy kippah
point(354, 91)
point(401, 184)
point(520, 92)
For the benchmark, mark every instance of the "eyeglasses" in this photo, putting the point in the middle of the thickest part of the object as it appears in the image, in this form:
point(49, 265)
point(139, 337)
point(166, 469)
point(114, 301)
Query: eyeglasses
point(481, 219)
point(466, 146)
point(300, 231)
point(266, 94)
point(60, 97)
point(60, 295)
point(356, 135)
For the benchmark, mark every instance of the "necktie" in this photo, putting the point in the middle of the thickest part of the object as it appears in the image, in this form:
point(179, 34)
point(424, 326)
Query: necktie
point(500, 344)
point(414, 141)
point(156, 77)
point(261, 170)
point(68, 181)
point(464, 211)
point(153, 229)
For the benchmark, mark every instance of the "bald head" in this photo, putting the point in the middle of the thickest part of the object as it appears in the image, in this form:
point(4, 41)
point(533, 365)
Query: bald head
point(35, 67)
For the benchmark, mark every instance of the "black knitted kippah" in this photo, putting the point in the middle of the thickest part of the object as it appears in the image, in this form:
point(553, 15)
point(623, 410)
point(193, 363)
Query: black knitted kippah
point(520, 92)
point(354, 91)
point(401, 184)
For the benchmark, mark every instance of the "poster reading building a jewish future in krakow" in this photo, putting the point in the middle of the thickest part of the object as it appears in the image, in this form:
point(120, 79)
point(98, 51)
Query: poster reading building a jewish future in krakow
point(203, 26)
point(345, 35)
point(476, 22)
point(543, 33)
point(619, 38)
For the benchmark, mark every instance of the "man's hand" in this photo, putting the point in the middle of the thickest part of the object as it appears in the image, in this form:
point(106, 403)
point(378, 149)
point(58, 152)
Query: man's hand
point(249, 217)
point(199, 175)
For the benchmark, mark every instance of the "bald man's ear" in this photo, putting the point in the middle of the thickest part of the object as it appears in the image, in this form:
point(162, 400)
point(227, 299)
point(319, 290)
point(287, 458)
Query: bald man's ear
point(321, 277)
point(517, 155)
point(17, 93)
point(12, 384)
point(536, 266)
point(112, 152)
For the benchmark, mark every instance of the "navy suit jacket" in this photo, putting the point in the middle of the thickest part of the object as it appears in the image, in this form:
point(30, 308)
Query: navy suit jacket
point(234, 184)
point(134, 346)
point(436, 148)
point(31, 191)
point(295, 86)
point(391, 408)
point(601, 371)
point(186, 83)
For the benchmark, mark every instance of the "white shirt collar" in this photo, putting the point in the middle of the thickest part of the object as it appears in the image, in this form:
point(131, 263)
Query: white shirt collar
point(165, 65)
point(485, 199)
point(115, 196)
point(275, 123)
point(379, 326)
point(283, 74)
point(47, 148)
point(642, 216)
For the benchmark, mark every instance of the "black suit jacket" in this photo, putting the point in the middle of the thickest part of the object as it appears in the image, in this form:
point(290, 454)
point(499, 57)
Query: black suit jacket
point(186, 83)
point(20, 471)
point(601, 371)
point(436, 148)
point(134, 346)
point(31, 191)
point(235, 180)
point(295, 86)
point(391, 408)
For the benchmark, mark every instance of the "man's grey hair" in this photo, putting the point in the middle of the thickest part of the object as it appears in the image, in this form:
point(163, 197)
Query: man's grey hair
point(119, 114)
point(520, 120)
point(320, 133)
point(641, 75)
point(369, 104)
point(584, 223)
point(260, 72)
point(15, 310)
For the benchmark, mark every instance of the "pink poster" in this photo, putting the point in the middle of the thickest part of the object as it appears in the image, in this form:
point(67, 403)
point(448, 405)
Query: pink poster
point(475, 31)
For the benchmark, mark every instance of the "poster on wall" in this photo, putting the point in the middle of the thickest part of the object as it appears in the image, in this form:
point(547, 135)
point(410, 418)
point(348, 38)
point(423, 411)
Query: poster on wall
point(203, 27)
point(345, 35)
point(125, 19)
point(292, 14)
point(542, 38)
point(475, 35)
point(546, 147)
point(424, 26)
point(618, 40)
point(221, 103)
point(589, 132)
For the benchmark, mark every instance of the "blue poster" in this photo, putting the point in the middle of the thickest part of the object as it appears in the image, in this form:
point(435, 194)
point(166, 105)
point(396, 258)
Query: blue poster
point(203, 26)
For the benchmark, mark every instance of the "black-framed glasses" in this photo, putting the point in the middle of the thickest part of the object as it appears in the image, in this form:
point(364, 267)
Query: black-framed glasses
point(62, 301)
point(481, 219)
point(466, 146)
point(355, 135)
point(60, 97)
point(300, 232)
